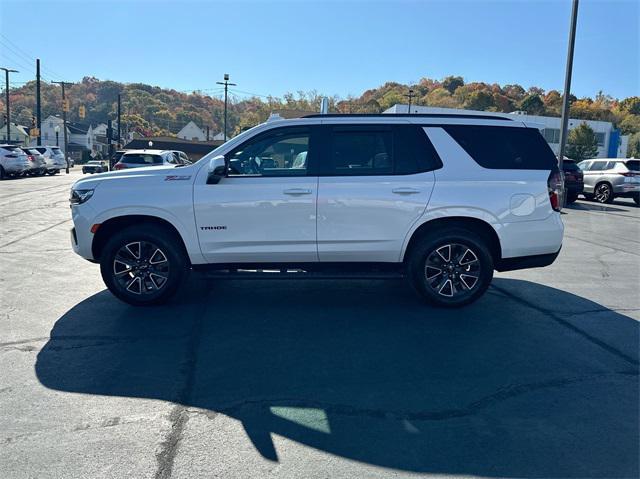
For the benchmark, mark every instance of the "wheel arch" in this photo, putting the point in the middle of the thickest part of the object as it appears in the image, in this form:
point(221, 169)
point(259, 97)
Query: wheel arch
point(479, 226)
point(118, 223)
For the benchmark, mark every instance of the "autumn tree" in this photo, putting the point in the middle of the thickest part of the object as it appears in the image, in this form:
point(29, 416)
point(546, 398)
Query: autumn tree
point(582, 143)
point(532, 104)
point(452, 83)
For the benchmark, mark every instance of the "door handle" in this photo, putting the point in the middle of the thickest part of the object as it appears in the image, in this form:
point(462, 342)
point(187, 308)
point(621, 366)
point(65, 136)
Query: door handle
point(405, 191)
point(297, 191)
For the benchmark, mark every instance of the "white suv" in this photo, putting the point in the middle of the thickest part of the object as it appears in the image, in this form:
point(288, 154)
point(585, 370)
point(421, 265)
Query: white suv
point(442, 200)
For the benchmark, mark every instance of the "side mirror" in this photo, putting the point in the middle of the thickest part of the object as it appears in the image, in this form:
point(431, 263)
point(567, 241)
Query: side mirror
point(217, 170)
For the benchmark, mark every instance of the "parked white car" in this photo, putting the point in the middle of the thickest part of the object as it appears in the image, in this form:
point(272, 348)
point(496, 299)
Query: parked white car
point(54, 157)
point(13, 161)
point(442, 200)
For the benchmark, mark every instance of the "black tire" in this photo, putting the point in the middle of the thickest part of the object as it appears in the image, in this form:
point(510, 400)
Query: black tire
point(571, 198)
point(3, 175)
point(636, 199)
point(138, 282)
point(603, 193)
point(453, 286)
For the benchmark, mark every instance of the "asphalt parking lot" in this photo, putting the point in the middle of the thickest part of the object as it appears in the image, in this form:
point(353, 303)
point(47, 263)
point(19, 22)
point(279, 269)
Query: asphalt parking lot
point(317, 379)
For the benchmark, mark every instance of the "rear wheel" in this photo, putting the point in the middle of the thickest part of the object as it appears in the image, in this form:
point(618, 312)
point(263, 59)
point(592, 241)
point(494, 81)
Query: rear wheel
point(451, 267)
point(603, 193)
point(3, 175)
point(142, 265)
point(571, 198)
point(636, 199)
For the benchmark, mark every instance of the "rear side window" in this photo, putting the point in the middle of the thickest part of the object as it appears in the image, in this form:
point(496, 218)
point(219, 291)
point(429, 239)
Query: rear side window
point(366, 150)
point(141, 159)
point(599, 166)
point(9, 148)
point(362, 151)
point(505, 148)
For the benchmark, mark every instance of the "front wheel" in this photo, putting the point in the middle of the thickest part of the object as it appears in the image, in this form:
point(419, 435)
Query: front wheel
point(142, 265)
point(451, 267)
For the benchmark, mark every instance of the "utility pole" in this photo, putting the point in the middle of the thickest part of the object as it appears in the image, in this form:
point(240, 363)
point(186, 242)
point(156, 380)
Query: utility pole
point(119, 131)
point(410, 96)
point(6, 91)
point(226, 85)
point(567, 83)
point(207, 132)
point(65, 107)
point(38, 104)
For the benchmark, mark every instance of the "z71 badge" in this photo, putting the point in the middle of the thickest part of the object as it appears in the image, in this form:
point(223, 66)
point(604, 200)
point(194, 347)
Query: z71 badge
point(176, 177)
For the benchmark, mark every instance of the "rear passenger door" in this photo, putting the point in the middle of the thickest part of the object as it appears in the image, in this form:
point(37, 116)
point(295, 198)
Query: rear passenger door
point(375, 182)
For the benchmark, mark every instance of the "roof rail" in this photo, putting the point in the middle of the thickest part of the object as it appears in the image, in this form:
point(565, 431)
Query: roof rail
point(408, 115)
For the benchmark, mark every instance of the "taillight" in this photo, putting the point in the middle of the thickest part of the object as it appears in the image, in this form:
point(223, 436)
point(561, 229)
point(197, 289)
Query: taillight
point(555, 186)
point(120, 166)
point(628, 174)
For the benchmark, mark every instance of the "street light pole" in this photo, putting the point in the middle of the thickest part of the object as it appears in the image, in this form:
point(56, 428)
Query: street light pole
point(226, 85)
point(6, 76)
point(567, 83)
point(57, 129)
point(64, 121)
point(410, 96)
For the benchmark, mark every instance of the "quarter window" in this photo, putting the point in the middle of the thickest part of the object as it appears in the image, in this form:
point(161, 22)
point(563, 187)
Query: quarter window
point(284, 152)
point(500, 147)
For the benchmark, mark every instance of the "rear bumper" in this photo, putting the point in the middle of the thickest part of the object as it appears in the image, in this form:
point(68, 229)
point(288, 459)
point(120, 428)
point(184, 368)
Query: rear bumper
point(526, 262)
point(626, 189)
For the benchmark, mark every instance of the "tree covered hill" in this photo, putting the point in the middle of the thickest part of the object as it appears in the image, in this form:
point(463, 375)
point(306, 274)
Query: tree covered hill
point(152, 110)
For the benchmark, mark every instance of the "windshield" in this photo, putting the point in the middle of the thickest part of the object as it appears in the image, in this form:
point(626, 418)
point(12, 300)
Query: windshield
point(141, 159)
point(10, 148)
point(56, 150)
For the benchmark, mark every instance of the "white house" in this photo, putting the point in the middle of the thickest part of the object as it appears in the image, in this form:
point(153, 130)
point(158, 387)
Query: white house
point(611, 144)
point(18, 134)
point(191, 131)
point(48, 128)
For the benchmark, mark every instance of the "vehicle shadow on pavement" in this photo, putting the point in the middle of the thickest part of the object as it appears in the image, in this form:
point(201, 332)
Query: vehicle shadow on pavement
point(596, 207)
point(365, 371)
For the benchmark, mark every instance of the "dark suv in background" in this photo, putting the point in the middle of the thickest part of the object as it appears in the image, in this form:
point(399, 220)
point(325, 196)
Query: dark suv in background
point(573, 180)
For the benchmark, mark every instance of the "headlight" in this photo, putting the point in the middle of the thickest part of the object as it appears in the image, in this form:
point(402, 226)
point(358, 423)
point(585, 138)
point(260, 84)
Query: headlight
point(80, 196)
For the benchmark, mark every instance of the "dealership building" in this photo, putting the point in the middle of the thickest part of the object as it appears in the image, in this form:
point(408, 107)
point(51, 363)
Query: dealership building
point(611, 144)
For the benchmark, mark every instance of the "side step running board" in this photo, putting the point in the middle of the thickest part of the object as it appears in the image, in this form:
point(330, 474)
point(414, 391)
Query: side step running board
point(299, 274)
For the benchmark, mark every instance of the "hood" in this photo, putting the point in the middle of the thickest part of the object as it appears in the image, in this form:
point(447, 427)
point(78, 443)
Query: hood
point(133, 174)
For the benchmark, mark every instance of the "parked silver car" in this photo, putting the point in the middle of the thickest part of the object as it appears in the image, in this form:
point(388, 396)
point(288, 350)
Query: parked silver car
point(13, 161)
point(609, 178)
point(37, 162)
point(54, 158)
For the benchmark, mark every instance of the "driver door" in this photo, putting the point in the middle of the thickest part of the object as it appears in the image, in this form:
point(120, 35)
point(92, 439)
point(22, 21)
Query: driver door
point(264, 209)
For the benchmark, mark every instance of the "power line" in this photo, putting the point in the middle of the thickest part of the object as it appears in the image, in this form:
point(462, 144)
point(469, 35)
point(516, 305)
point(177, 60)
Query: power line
point(30, 57)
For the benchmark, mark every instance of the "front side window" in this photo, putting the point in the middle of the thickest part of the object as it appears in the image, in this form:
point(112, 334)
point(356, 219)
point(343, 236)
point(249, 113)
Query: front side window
point(284, 152)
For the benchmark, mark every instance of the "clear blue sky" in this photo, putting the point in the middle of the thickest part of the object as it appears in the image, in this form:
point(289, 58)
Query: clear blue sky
point(333, 47)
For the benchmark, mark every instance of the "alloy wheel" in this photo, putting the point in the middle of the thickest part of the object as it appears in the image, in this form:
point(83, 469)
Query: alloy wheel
point(141, 268)
point(452, 270)
point(603, 193)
